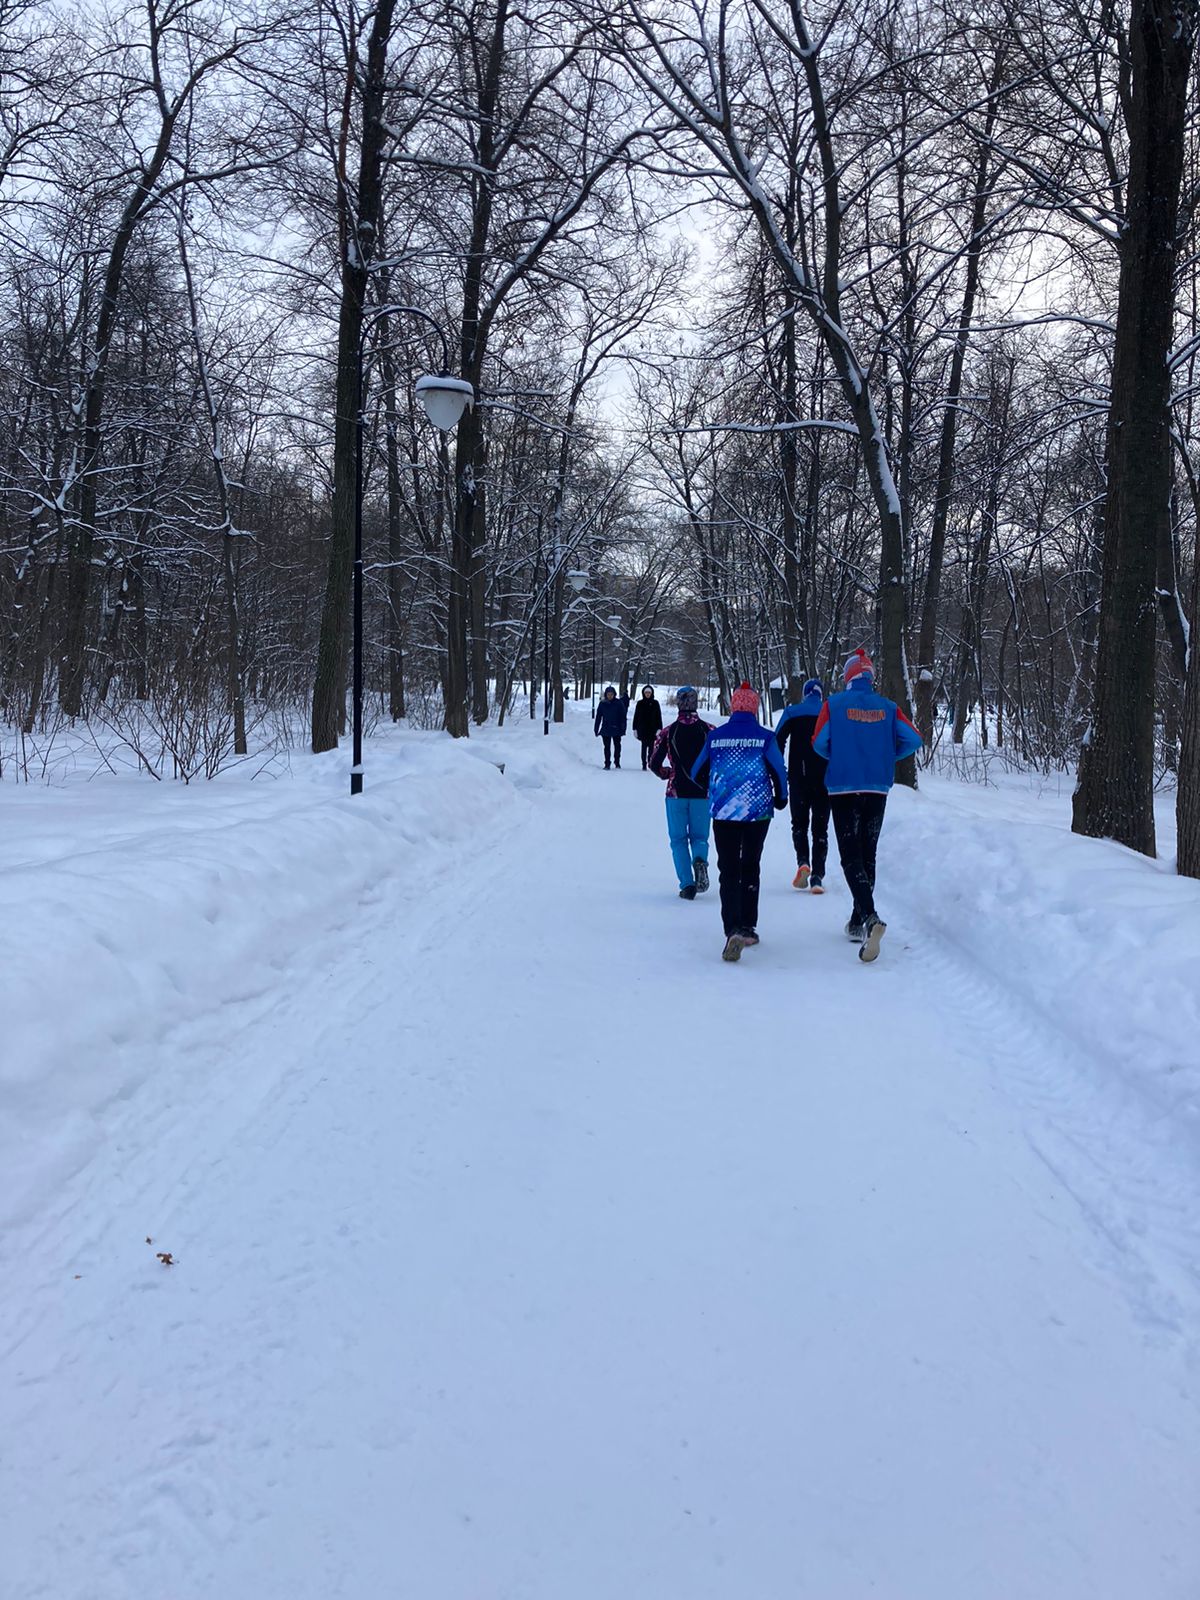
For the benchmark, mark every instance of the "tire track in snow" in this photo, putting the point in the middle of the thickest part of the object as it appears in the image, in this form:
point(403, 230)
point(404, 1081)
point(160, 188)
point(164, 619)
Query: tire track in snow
point(178, 1116)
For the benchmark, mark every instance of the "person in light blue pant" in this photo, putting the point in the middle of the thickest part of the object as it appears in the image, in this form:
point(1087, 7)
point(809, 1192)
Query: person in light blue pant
point(676, 750)
point(688, 828)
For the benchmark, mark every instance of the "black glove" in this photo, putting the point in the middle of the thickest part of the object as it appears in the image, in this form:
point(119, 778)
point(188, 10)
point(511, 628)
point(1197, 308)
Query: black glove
point(780, 803)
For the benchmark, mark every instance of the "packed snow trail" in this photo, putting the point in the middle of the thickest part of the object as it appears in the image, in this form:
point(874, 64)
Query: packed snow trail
point(524, 1251)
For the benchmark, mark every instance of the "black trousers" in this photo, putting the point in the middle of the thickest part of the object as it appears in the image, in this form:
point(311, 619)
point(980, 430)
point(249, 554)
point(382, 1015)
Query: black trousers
point(857, 820)
point(612, 747)
point(739, 851)
point(647, 745)
point(810, 806)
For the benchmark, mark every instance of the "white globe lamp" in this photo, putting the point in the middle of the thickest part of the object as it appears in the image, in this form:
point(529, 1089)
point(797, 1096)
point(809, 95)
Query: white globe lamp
point(445, 399)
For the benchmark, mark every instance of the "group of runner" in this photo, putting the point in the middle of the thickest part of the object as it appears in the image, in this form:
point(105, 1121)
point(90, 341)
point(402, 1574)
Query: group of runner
point(834, 756)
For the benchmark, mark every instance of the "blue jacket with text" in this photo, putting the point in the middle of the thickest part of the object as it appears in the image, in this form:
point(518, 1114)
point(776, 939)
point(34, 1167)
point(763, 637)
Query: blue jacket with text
point(862, 735)
point(747, 779)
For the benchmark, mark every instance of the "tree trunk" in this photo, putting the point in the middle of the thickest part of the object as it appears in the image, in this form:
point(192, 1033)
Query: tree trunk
point(466, 666)
point(458, 722)
point(83, 540)
point(395, 545)
point(359, 223)
point(1187, 793)
point(556, 650)
point(927, 636)
point(1114, 797)
point(1169, 601)
point(795, 611)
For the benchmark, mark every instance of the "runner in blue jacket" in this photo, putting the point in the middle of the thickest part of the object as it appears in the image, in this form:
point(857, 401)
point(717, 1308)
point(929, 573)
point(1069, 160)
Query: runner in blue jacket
point(747, 780)
point(862, 735)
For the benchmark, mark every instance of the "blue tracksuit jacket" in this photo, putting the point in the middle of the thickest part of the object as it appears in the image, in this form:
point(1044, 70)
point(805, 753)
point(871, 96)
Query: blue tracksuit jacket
point(746, 775)
point(862, 735)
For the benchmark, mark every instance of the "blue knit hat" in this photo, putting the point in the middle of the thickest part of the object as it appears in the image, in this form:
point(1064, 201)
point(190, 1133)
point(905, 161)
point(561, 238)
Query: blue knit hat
point(686, 698)
point(813, 686)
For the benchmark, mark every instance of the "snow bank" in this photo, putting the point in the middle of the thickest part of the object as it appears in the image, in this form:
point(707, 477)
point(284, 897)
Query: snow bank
point(132, 911)
point(1100, 941)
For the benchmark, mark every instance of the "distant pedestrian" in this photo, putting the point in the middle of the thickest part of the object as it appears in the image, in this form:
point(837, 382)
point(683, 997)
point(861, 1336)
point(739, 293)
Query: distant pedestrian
point(647, 722)
point(747, 780)
point(677, 749)
point(807, 795)
point(611, 721)
point(862, 735)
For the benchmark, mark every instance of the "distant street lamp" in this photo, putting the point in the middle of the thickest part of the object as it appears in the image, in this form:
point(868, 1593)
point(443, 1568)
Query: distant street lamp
point(577, 577)
point(614, 623)
point(593, 664)
point(444, 399)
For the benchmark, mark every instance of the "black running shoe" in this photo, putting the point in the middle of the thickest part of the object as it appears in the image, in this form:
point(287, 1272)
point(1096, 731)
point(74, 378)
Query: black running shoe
point(688, 892)
point(733, 948)
point(700, 868)
point(855, 931)
point(749, 938)
point(872, 936)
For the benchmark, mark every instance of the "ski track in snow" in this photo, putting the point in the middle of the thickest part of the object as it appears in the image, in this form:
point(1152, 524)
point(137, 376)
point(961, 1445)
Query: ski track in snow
point(525, 1251)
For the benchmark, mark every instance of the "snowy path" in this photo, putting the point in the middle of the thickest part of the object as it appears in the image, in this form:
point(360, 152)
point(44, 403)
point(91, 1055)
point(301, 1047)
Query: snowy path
point(530, 1253)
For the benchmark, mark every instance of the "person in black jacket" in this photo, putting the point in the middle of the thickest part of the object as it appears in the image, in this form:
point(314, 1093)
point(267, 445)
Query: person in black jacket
point(647, 720)
point(806, 786)
point(611, 722)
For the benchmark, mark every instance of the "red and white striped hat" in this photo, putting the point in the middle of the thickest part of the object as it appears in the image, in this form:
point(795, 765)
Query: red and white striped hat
point(858, 663)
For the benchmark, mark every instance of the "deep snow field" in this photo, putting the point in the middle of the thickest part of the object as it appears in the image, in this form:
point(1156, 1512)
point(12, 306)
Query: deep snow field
point(520, 1249)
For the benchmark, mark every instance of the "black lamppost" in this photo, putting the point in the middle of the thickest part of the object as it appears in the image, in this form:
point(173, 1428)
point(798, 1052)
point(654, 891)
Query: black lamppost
point(444, 399)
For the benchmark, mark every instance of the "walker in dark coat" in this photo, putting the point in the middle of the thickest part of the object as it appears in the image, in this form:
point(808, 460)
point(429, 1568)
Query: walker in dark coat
point(647, 720)
point(611, 722)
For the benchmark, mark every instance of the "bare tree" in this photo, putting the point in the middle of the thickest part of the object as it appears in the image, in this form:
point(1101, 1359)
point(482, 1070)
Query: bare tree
point(1114, 796)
